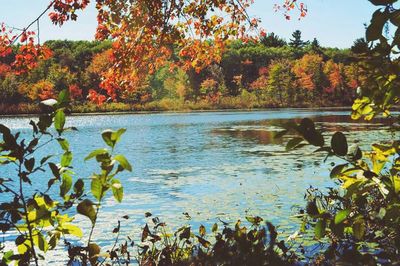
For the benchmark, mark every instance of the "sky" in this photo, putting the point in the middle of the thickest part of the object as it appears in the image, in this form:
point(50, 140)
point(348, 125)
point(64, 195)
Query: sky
point(335, 23)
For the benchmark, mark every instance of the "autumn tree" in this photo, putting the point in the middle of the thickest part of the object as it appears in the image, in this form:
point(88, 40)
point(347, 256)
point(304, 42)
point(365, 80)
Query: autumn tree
point(281, 80)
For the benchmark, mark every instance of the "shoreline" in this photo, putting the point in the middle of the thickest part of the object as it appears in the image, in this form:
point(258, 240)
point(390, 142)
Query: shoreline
point(324, 108)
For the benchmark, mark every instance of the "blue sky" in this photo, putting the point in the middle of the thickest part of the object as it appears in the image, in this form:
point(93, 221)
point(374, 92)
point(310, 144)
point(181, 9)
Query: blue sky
point(335, 23)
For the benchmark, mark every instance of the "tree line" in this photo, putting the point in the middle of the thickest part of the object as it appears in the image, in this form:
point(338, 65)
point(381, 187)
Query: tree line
point(269, 72)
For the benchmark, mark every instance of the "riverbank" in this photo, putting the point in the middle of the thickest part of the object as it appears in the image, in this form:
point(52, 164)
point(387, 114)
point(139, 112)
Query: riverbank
point(165, 105)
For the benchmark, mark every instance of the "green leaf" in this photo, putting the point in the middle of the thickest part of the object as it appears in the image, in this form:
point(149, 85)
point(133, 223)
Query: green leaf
point(341, 216)
point(86, 208)
point(111, 137)
point(123, 162)
point(97, 187)
point(40, 241)
point(63, 144)
point(95, 153)
point(66, 159)
point(359, 229)
point(72, 230)
point(293, 143)
point(59, 120)
point(117, 189)
point(65, 185)
point(63, 97)
point(339, 144)
point(320, 228)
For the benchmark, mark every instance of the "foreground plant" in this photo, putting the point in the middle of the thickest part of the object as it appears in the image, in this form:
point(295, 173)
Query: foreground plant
point(360, 219)
point(36, 216)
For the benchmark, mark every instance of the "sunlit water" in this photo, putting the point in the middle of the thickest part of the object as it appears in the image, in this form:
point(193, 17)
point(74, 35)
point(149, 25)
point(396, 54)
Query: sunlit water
point(213, 166)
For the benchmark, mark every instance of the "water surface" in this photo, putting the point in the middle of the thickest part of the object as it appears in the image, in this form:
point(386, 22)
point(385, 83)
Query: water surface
point(213, 166)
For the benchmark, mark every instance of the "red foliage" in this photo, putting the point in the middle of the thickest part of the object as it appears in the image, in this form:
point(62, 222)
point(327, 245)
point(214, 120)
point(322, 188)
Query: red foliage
point(96, 97)
point(75, 92)
point(66, 10)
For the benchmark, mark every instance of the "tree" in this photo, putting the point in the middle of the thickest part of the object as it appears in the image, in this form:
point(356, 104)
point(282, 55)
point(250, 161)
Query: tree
point(297, 42)
point(272, 40)
point(360, 46)
point(281, 80)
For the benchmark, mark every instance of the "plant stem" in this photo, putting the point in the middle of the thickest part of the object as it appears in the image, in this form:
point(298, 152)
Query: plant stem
point(28, 223)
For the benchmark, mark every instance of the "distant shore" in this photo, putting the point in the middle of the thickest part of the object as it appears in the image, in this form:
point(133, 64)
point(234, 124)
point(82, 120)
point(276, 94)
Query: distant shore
point(109, 109)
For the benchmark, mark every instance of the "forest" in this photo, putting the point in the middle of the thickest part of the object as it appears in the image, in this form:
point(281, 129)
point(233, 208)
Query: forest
point(266, 73)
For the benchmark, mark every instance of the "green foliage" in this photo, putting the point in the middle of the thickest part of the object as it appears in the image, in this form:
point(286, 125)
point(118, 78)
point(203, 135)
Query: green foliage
point(362, 216)
point(236, 245)
point(41, 219)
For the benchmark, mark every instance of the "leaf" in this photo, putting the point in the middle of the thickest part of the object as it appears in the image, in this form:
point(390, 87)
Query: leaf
point(29, 164)
point(280, 134)
point(54, 169)
point(123, 162)
point(96, 153)
point(374, 30)
point(337, 170)
point(339, 144)
point(86, 208)
point(40, 241)
point(293, 143)
point(111, 137)
point(63, 97)
point(94, 251)
point(79, 187)
point(254, 220)
point(202, 230)
point(65, 185)
point(203, 242)
point(97, 188)
point(63, 144)
point(185, 234)
point(66, 159)
point(59, 120)
point(359, 229)
point(118, 190)
point(72, 230)
point(382, 2)
point(341, 216)
point(214, 228)
point(320, 228)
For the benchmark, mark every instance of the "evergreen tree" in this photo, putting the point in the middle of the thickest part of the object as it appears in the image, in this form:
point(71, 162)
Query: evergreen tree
point(297, 42)
point(273, 40)
point(360, 46)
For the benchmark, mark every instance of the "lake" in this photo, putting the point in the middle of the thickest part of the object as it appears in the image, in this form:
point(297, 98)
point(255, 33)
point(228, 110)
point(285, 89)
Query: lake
point(211, 166)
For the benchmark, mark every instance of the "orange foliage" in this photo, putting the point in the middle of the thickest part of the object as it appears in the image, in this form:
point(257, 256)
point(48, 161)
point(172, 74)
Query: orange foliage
point(306, 69)
point(334, 73)
point(96, 98)
point(42, 90)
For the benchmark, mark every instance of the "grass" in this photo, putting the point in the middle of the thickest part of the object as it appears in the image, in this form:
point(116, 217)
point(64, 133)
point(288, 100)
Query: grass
point(248, 101)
